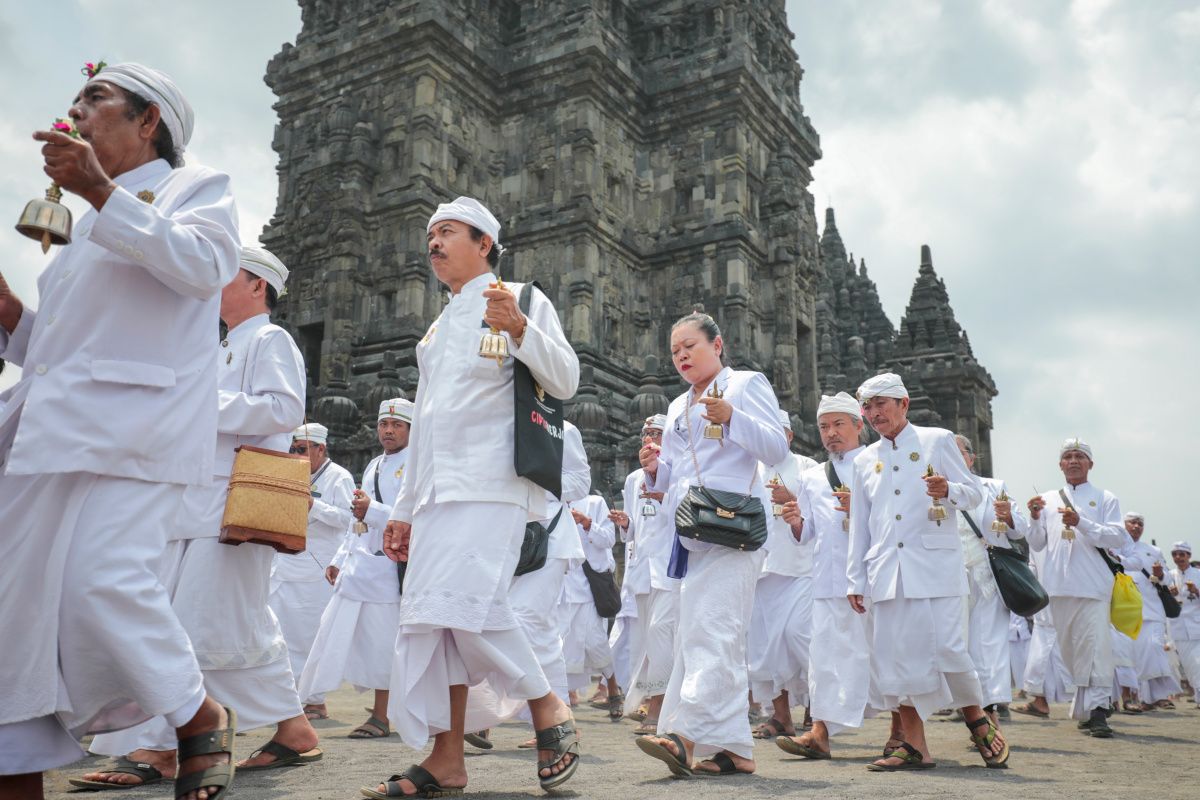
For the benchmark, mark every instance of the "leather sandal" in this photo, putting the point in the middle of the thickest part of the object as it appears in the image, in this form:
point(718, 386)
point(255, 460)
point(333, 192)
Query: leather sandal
point(204, 744)
point(148, 774)
point(563, 740)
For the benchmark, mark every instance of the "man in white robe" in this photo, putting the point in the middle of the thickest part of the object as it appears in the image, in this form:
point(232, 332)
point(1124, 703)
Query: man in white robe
point(123, 335)
point(585, 632)
point(299, 588)
point(840, 661)
point(988, 618)
point(358, 629)
point(905, 554)
point(777, 646)
point(1071, 525)
point(635, 523)
point(1184, 583)
point(1145, 563)
point(1020, 630)
point(219, 591)
point(460, 517)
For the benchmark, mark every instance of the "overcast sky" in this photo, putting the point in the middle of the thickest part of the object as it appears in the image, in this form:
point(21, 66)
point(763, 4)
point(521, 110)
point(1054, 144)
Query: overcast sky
point(1046, 151)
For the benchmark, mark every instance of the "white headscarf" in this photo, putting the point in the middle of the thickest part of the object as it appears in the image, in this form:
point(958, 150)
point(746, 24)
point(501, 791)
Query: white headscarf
point(1076, 444)
point(265, 265)
point(840, 403)
point(472, 212)
point(313, 432)
point(1133, 515)
point(886, 385)
point(657, 422)
point(396, 408)
point(1184, 546)
point(159, 89)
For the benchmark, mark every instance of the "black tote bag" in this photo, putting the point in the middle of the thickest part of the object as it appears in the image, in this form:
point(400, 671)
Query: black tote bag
point(538, 429)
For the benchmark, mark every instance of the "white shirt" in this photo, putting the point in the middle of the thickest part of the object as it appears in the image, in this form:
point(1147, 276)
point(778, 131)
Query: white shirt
point(752, 435)
point(123, 335)
point(462, 433)
point(785, 555)
point(823, 525)
point(1138, 556)
point(1187, 625)
point(364, 572)
point(1074, 567)
point(260, 390)
point(893, 542)
point(597, 542)
point(332, 491)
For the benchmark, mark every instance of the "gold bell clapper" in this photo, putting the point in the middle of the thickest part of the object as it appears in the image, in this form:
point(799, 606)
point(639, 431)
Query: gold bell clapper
point(47, 220)
point(713, 430)
point(937, 511)
point(493, 344)
point(999, 525)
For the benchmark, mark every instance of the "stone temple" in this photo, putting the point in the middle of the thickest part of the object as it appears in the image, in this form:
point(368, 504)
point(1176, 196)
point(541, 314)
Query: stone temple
point(643, 156)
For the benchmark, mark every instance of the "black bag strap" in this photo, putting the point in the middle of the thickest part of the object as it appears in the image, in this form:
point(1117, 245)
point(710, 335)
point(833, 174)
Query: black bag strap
point(526, 297)
point(378, 494)
point(971, 522)
point(554, 522)
point(831, 475)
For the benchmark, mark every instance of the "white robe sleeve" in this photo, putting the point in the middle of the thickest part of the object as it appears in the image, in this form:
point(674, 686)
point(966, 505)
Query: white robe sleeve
point(343, 552)
point(1109, 531)
point(629, 504)
point(577, 475)
point(193, 250)
point(333, 507)
point(275, 403)
point(14, 346)
point(754, 424)
point(1036, 533)
point(603, 533)
point(1020, 527)
point(965, 489)
point(808, 528)
point(545, 350)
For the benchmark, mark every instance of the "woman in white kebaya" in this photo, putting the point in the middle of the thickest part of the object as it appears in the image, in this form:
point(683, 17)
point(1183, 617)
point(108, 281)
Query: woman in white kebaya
point(704, 710)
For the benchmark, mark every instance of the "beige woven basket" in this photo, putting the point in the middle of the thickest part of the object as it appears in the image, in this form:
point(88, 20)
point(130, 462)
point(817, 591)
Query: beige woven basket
point(268, 500)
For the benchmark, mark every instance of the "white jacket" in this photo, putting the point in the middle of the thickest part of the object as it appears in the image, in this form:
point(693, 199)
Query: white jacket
point(123, 335)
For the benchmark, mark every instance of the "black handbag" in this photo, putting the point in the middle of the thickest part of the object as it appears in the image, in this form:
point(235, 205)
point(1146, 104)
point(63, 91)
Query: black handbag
point(604, 591)
point(1020, 589)
point(1170, 605)
point(730, 519)
point(534, 546)
point(538, 428)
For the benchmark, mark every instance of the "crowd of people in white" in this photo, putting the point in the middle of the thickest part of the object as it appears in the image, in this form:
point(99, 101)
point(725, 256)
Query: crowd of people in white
point(753, 577)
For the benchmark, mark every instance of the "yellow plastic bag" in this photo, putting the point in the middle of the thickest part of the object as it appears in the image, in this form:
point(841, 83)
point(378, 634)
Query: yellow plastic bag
point(1125, 611)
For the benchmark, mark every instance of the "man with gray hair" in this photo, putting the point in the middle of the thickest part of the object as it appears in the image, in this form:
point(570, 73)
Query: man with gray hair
point(993, 523)
point(1146, 564)
point(1072, 525)
point(124, 330)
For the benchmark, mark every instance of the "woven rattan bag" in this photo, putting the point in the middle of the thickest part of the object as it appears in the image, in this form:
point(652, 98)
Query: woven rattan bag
point(268, 500)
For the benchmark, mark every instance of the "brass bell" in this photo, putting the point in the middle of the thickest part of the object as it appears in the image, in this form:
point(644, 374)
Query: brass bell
point(714, 430)
point(493, 345)
point(47, 220)
point(999, 525)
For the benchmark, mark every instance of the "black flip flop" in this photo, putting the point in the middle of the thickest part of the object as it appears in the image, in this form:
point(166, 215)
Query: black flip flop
point(148, 774)
point(284, 757)
point(725, 766)
point(427, 786)
point(676, 762)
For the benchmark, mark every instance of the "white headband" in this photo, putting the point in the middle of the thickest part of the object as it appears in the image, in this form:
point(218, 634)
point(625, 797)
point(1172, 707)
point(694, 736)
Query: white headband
point(1076, 444)
point(886, 385)
point(658, 422)
point(159, 89)
point(265, 265)
point(472, 212)
point(1184, 546)
point(313, 432)
point(396, 408)
point(840, 403)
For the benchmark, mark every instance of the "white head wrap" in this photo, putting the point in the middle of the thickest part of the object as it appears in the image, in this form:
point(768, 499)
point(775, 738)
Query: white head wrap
point(1184, 546)
point(472, 212)
point(396, 408)
point(840, 403)
point(886, 385)
point(785, 419)
point(313, 432)
point(658, 422)
point(1076, 444)
point(159, 89)
point(265, 265)
point(1133, 515)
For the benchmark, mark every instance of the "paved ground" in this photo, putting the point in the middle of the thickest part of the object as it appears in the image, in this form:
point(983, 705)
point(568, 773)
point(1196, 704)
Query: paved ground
point(1153, 755)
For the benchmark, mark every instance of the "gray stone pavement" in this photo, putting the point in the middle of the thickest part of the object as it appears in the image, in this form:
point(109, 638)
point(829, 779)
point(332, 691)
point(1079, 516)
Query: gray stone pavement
point(1152, 755)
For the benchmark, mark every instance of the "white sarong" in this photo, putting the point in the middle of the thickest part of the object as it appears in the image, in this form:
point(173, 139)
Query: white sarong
point(585, 644)
point(1156, 680)
point(655, 658)
point(354, 644)
point(539, 619)
point(840, 669)
point(1084, 639)
point(778, 644)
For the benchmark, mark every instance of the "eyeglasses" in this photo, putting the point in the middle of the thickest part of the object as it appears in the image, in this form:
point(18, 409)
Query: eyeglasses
point(299, 449)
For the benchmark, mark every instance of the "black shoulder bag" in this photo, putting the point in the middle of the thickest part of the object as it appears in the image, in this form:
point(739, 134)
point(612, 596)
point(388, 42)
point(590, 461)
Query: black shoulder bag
point(1019, 588)
point(534, 545)
point(1170, 605)
point(729, 519)
point(538, 429)
point(604, 591)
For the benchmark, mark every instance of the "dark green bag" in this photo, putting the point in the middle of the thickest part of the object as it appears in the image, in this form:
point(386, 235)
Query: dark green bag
point(1019, 587)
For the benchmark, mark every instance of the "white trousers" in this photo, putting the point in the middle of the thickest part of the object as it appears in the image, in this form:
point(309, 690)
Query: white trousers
point(658, 615)
point(706, 697)
point(354, 644)
point(920, 656)
point(585, 644)
point(528, 595)
point(90, 642)
point(299, 606)
point(840, 670)
point(987, 642)
point(1189, 659)
point(1084, 639)
point(778, 643)
point(619, 644)
point(1155, 678)
point(1045, 673)
point(456, 624)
